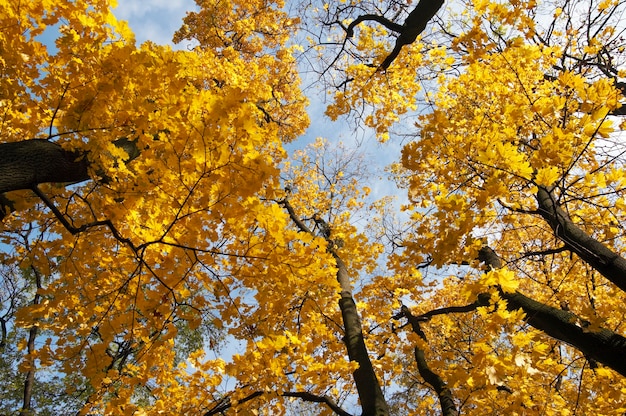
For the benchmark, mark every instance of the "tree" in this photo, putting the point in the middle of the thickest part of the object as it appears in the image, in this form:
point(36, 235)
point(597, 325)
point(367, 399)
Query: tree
point(171, 166)
point(521, 151)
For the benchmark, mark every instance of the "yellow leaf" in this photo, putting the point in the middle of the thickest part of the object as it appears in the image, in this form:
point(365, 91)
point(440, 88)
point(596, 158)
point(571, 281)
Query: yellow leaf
point(506, 280)
point(547, 176)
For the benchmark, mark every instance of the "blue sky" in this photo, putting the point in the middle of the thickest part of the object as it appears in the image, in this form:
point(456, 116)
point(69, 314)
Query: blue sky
point(154, 20)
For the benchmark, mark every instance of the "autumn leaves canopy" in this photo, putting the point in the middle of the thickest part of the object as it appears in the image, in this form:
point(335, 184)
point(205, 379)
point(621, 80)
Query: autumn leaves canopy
point(164, 252)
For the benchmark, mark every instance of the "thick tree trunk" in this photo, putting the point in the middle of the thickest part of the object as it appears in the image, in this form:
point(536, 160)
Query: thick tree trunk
point(610, 264)
point(371, 396)
point(29, 381)
point(26, 164)
point(446, 400)
point(31, 162)
point(370, 393)
point(603, 345)
point(600, 344)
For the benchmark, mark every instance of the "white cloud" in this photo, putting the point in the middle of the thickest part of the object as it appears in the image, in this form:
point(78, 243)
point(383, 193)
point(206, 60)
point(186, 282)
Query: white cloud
point(154, 20)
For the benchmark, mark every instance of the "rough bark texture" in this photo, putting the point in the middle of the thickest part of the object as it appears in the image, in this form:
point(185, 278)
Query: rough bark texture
point(26, 164)
point(29, 380)
point(446, 400)
point(370, 393)
point(610, 264)
point(600, 344)
point(371, 396)
point(31, 162)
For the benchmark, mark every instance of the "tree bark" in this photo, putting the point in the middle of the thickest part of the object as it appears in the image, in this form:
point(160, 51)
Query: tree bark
point(225, 403)
point(368, 388)
point(371, 395)
point(603, 345)
point(31, 162)
point(26, 164)
point(446, 400)
point(413, 26)
point(610, 264)
point(29, 381)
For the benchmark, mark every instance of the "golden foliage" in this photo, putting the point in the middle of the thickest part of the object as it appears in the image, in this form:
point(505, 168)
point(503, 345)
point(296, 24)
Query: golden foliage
point(188, 247)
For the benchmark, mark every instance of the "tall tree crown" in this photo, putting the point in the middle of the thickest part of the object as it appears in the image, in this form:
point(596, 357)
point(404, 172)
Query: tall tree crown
point(165, 249)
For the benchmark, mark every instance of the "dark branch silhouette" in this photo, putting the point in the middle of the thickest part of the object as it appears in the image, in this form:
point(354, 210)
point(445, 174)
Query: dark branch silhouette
point(226, 402)
point(26, 164)
point(413, 26)
point(368, 387)
point(393, 26)
point(607, 262)
point(446, 400)
point(600, 344)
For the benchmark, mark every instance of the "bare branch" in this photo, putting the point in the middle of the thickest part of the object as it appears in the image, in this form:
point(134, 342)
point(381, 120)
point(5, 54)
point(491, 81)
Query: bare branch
point(226, 403)
point(413, 26)
point(376, 18)
point(446, 400)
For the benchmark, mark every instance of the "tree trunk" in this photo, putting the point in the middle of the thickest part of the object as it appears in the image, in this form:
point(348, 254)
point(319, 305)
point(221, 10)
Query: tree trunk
point(603, 345)
point(31, 162)
point(26, 164)
point(446, 400)
point(371, 396)
point(610, 264)
point(29, 381)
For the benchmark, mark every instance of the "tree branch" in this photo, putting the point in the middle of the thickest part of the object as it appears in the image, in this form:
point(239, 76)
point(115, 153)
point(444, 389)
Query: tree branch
point(599, 344)
point(29, 381)
point(75, 230)
point(603, 345)
point(608, 263)
point(26, 164)
point(446, 400)
point(226, 403)
point(413, 26)
point(32, 162)
point(483, 300)
point(294, 217)
point(376, 18)
point(309, 397)
point(546, 252)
